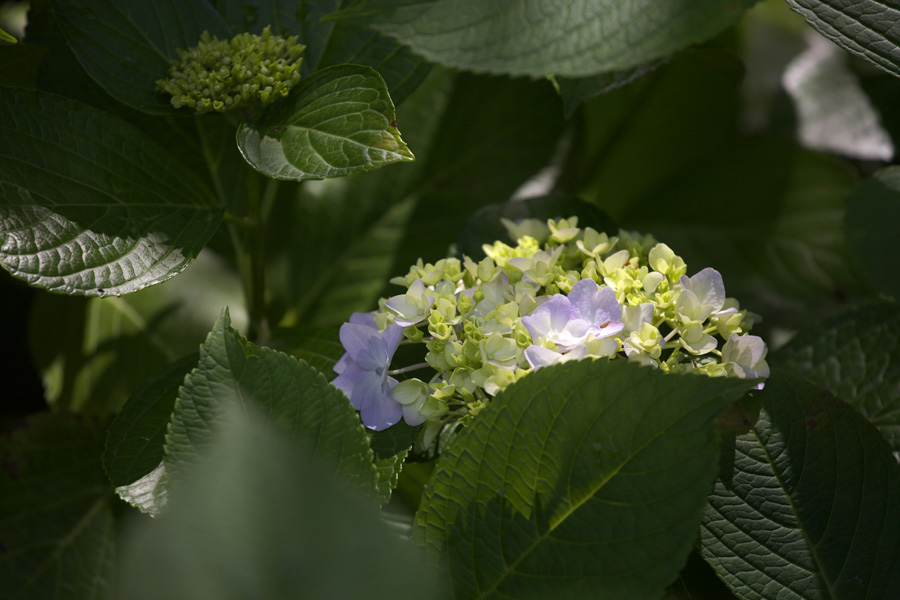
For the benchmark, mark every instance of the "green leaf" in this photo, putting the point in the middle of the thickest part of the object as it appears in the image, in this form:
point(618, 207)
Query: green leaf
point(293, 395)
point(6, 38)
point(535, 37)
point(856, 357)
point(134, 443)
point(387, 473)
point(872, 211)
point(576, 91)
point(258, 518)
point(866, 28)
point(319, 347)
point(93, 353)
point(19, 64)
point(495, 134)
point(631, 141)
point(586, 479)
point(780, 246)
point(330, 43)
point(337, 122)
point(88, 204)
point(127, 46)
point(57, 530)
point(806, 506)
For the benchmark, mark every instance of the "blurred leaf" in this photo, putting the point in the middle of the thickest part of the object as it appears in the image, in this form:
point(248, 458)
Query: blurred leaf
point(563, 37)
point(833, 112)
point(634, 139)
point(94, 353)
point(57, 531)
point(575, 91)
point(89, 205)
point(485, 226)
point(336, 122)
point(292, 395)
point(873, 211)
point(777, 240)
point(6, 38)
point(320, 347)
point(257, 518)
point(866, 28)
point(19, 64)
point(126, 46)
point(586, 479)
point(329, 43)
point(495, 134)
point(134, 443)
point(806, 505)
point(856, 357)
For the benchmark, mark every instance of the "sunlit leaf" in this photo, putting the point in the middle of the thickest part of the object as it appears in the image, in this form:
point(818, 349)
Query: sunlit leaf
point(586, 479)
point(336, 122)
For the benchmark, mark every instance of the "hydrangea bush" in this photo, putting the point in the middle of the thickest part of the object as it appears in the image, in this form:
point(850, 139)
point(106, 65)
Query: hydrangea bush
point(562, 293)
point(231, 383)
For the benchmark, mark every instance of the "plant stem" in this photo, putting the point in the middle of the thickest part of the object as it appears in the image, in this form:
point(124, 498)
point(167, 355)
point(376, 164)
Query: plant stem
point(258, 330)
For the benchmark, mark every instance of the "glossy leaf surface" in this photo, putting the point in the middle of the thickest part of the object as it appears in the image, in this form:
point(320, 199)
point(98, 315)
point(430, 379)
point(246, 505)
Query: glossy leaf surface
point(336, 122)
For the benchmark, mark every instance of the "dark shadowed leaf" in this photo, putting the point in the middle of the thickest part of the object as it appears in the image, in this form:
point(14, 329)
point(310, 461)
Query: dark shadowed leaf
point(126, 46)
point(856, 357)
point(873, 211)
point(806, 503)
point(57, 530)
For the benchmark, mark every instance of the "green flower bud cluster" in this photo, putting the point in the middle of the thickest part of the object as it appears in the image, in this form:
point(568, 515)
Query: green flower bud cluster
point(561, 293)
point(223, 75)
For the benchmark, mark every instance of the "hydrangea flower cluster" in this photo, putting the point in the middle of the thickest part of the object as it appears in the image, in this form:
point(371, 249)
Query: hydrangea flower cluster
point(562, 293)
point(222, 75)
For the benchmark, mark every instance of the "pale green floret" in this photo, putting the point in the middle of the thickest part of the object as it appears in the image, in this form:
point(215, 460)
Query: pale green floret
point(469, 315)
point(222, 75)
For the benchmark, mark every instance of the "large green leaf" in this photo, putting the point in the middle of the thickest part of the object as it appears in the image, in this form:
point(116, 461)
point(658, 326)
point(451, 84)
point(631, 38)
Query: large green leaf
point(856, 357)
point(293, 395)
point(57, 530)
point(867, 28)
point(336, 122)
point(126, 46)
point(780, 244)
point(581, 480)
point(535, 37)
point(257, 518)
point(806, 504)
point(93, 353)
point(330, 43)
point(873, 210)
point(88, 204)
